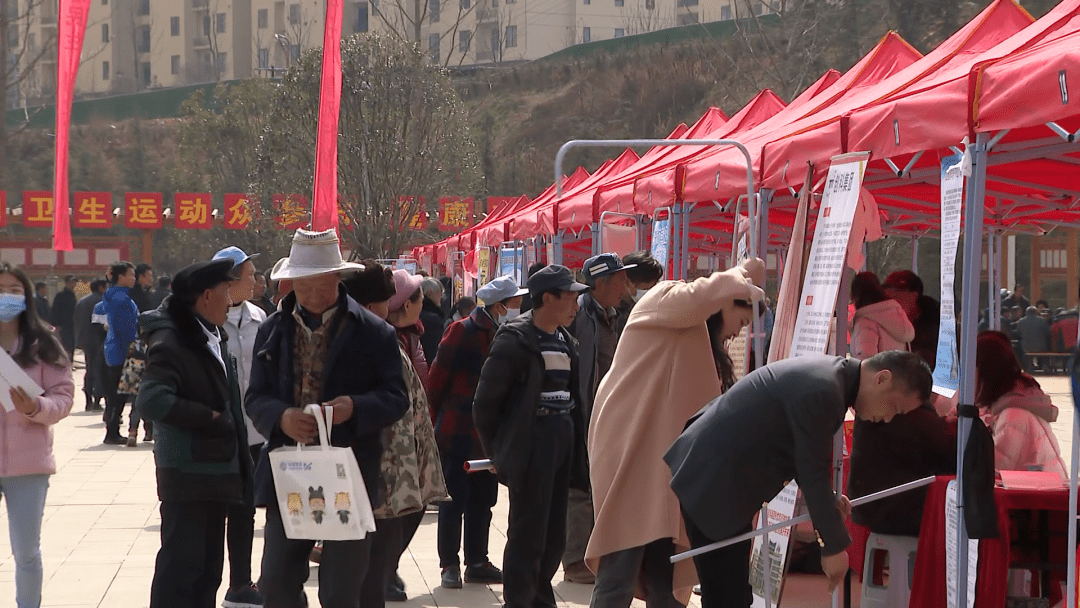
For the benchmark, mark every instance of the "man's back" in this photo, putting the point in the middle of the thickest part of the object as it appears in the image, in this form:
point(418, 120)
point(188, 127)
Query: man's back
point(1034, 334)
point(86, 337)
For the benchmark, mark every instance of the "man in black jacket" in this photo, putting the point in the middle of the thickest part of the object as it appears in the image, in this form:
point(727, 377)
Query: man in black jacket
point(320, 347)
point(432, 318)
point(529, 419)
point(190, 390)
point(774, 425)
point(63, 314)
point(144, 282)
point(90, 338)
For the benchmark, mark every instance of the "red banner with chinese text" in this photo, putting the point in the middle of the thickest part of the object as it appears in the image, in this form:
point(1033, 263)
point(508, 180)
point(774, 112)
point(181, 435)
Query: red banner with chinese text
point(293, 211)
point(92, 209)
point(3, 209)
point(418, 215)
point(37, 209)
point(455, 213)
point(143, 210)
point(239, 211)
point(193, 210)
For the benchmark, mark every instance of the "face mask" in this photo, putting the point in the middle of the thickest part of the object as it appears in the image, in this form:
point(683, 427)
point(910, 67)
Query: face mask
point(11, 306)
point(640, 294)
point(511, 314)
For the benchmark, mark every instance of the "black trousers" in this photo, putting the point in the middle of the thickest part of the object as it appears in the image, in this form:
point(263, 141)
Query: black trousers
point(724, 573)
point(240, 534)
point(285, 567)
point(114, 401)
point(473, 494)
point(92, 382)
point(536, 530)
point(187, 573)
point(618, 573)
point(391, 540)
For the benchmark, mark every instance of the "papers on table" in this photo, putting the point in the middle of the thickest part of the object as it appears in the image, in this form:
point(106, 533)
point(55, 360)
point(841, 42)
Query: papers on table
point(1031, 480)
point(13, 375)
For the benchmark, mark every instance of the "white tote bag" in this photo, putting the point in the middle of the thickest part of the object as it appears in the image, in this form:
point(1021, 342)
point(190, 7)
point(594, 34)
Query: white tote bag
point(320, 491)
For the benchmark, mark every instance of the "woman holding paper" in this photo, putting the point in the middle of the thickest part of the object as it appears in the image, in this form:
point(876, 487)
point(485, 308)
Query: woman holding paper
point(25, 422)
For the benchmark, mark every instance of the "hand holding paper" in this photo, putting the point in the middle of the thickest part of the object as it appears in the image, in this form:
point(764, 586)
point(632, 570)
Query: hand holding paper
point(11, 377)
point(24, 403)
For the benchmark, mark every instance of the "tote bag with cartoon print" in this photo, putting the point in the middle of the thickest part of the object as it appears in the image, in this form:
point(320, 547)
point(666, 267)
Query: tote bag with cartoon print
point(320, 491)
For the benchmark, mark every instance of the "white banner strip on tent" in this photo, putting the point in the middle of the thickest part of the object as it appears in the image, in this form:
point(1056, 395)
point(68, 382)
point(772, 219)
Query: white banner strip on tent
point(947, 370)
point(828, 254)
point(952, 524)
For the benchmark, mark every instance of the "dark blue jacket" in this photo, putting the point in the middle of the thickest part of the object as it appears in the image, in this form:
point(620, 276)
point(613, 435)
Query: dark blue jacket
point(123, 317)
point(363, 362)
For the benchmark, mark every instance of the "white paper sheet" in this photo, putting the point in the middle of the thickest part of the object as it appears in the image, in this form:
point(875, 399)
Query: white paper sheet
point(13, 375)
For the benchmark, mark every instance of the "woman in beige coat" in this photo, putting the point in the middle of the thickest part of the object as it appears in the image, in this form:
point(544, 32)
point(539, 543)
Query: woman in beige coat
point(668, 365)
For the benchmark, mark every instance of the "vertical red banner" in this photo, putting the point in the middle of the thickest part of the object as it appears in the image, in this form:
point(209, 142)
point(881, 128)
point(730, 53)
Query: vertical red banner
point(324, 213)
point(3, 209)
point(70, 29)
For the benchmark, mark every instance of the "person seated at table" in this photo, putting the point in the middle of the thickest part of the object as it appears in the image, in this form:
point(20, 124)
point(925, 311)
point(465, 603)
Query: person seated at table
point(880, 323)
point(884, 455)
point(1016, 409)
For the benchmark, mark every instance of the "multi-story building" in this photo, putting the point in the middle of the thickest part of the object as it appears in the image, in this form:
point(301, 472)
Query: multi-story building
point(135, 45)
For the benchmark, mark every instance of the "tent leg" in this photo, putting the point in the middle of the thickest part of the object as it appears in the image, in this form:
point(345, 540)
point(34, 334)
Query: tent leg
point(973, 220)
point(597, 245)
point(1070, 586)
point(557, 240)
point(915, 254)
point(684, 240)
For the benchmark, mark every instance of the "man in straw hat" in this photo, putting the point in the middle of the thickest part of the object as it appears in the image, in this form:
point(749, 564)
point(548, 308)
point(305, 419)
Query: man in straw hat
point(320, 347)
point(189, 388)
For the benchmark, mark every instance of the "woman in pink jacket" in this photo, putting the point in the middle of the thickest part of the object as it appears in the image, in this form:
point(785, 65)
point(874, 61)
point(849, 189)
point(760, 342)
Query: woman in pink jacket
point(26, 458)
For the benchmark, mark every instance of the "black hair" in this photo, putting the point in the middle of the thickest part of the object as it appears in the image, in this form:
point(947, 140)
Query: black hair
point(648, 269)
point(164, 281)
point(142, 269)
point(537, 267)
point(725, 368)
point(375, 283)
point(69, 278)
point(464, 304)
point(98, 284)
point(866, 290)
point(39, 285)
point(1043, 302)
point(908, 367)
point(37, 341)
point(538, 297)
point(118, 270)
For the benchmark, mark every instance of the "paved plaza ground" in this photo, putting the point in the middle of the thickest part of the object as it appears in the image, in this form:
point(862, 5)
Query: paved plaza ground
point(101, 530)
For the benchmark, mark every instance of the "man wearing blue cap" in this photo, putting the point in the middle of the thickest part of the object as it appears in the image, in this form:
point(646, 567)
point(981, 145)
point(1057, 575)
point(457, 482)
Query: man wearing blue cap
point(241, 326)
point(452, 381)
point(596, 329)
point(529, 420)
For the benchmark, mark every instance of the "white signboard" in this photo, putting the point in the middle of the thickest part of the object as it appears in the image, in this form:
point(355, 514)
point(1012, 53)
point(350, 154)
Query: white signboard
point(947, 369)
point(661, 240)
point(951, 559)
point(828, 255)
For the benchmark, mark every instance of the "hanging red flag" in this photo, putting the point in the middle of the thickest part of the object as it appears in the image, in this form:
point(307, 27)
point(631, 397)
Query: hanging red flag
point(3, 209)
point(70, 29)
point(324, 213)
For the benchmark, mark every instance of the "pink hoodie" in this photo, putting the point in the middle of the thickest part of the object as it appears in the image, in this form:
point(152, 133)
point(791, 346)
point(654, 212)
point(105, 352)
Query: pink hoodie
point(26, 441)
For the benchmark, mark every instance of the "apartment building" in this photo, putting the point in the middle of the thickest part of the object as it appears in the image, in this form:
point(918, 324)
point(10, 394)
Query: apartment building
point(135, 45)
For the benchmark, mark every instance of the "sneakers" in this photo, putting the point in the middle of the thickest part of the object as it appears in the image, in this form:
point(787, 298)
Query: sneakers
point(133, 439)
point(247, 596)
point(579, 573)
point(451, 578)
point(485, 574)
point(114, 439)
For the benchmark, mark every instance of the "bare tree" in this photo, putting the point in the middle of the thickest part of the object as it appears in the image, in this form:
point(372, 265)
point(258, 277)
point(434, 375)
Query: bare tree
point(405, 20)
point(641, 18)
point(145, 46)
point(296, 37)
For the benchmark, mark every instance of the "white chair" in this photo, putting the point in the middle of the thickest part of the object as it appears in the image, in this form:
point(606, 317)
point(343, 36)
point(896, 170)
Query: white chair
point(896, 591)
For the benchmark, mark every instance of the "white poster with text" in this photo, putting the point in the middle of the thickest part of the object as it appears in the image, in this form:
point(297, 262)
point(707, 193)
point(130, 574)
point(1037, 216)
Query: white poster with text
point(661, 240)
point(947, 366)
point(952, 528)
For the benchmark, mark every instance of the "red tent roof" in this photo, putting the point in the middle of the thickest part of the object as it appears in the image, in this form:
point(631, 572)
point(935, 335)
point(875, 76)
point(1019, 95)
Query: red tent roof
point(498, 232)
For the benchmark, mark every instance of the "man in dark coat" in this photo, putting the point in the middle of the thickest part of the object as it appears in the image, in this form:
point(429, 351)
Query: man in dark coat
point(774, 425)
point(164, 288)
point(431, 317)
point(144, 283)
point(529, 419)
point(321, 347)
point(452, 381)
point(190, 390)
point(90, 338)
point(63, 314)
point(41, 302)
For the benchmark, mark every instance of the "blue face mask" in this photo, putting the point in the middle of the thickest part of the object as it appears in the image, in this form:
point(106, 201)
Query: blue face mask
point(11, 306)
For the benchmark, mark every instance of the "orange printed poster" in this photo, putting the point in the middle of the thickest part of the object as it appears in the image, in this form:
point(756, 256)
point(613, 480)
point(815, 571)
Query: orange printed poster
point(142, 210)
point(92, 210)
point(37, 209)
point(238, 211)
point(193, 210)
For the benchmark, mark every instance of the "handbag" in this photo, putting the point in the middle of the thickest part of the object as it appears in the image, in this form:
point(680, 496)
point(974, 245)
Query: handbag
point(132, 372)
point(319, 489)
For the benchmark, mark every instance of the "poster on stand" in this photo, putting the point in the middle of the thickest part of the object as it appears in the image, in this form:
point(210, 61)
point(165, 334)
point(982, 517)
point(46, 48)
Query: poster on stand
point(828, 255)
point(510, 262)
point(947, 368)
point(786, 505)
point(483, 266)
point(661, 241)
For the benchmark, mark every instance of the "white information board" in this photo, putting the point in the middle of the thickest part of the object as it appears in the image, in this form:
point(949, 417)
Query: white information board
point(661, 240)
point(947, 368)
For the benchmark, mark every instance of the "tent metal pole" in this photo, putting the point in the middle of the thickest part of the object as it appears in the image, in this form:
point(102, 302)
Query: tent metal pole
point(915, 254)
point(1070, 585)
point(684, 239)
point(676, 235)
point(759, 249)
point(556, 248)
point(597, 246)
point(973, 218)
point(992, 280)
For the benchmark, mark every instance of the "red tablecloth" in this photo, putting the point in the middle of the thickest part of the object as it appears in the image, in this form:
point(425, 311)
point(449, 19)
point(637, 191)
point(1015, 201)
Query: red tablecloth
point(928, 588)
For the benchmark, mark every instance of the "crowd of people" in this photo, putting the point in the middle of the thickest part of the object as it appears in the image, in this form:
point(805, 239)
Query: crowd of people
point(573, 385)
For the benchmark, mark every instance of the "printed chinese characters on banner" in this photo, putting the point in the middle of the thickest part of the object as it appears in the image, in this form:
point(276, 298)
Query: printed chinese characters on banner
point(142, 210)
point(92, 210)
point(455, 213)
point(417, 212)
point(193, 210)
point(293, 211)
point(37, 209)
point(238, 211)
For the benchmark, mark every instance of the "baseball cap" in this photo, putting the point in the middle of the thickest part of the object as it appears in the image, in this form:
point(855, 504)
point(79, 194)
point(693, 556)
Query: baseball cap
point(405, 285)
point(603, 264)
point(500, 289)
point(235, 255)
point(554, 277)
point(905, 280)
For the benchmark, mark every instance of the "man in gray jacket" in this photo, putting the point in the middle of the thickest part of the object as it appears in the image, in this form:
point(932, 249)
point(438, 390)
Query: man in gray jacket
point(775, 425)
point(596, 329)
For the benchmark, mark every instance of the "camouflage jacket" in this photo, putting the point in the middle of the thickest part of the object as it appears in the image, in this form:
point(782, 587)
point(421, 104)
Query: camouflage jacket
point(411, 471)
